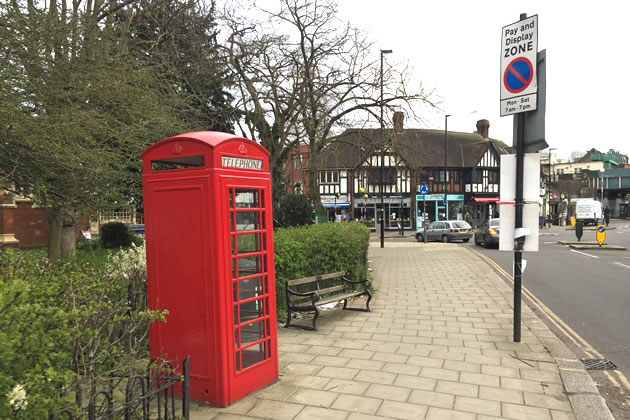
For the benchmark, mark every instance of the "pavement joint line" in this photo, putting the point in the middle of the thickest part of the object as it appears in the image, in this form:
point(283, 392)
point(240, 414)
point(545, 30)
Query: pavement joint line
point(565, 329)
point(545, 310)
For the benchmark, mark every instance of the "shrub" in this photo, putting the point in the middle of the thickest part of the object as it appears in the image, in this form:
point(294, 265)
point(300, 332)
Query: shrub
point(115, 235)
point(65, 327)
point(319, 249)
point(294, 210)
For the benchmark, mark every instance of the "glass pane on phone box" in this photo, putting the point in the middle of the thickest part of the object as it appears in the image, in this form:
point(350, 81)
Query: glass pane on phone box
point(254, 354)
point(247, 220)
point(251, 310)
point(248, 243)
point(246, 199)
point(248, 266)
point(250, 288)
point(252, 332)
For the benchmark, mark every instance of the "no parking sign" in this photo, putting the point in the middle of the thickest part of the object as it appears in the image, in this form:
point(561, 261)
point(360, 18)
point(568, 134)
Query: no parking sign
point(519, 46)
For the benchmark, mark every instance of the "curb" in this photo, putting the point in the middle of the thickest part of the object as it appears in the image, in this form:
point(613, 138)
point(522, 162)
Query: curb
point(585, 399)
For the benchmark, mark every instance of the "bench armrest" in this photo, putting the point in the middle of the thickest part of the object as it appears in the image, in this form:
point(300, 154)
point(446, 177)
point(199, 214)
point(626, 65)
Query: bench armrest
point(366, 281)
point(313, 295)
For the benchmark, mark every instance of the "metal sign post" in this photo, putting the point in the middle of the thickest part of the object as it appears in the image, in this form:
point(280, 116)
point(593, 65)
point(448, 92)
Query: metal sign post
point(424, 189)
point(519, 86)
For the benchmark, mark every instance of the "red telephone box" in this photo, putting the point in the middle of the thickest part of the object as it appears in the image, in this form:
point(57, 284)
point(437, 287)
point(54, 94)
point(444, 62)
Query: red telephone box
point(209, 241)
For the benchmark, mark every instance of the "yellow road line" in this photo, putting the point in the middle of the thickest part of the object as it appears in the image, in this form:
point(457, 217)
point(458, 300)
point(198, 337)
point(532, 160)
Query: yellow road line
point(560, 324)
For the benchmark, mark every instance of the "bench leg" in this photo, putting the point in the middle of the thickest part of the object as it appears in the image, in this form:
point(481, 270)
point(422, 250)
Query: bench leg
point(367, 304)
point(288, 323)
point(345, 303)
point(315, 317)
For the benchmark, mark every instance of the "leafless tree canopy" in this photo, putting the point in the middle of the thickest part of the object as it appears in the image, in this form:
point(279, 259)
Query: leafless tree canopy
point(304, 76)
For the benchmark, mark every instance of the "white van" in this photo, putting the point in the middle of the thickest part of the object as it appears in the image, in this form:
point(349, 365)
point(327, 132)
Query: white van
point(588, 211)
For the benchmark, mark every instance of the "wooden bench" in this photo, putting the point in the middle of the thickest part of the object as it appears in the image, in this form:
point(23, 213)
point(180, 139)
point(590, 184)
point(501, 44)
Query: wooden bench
point(321, 290)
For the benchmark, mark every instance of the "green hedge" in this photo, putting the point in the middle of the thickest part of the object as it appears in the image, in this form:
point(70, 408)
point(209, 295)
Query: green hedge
point(319, 249)
point(66, 326)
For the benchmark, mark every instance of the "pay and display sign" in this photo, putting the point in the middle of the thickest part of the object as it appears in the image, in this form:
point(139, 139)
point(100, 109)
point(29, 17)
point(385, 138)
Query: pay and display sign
point(519, 46)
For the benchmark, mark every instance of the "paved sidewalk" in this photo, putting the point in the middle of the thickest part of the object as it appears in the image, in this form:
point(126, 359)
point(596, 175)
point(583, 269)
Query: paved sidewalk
point(437, 345)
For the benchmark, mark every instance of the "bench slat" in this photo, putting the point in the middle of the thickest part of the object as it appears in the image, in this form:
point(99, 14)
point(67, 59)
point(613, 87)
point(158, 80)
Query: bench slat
point(324, 301)
point(315, 278)
point(321, 292)
point(338, 297)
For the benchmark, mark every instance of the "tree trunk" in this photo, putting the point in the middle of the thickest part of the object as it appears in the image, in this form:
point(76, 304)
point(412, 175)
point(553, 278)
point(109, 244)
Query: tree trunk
point(61, 228)
point(54, 236)
point(313, 186)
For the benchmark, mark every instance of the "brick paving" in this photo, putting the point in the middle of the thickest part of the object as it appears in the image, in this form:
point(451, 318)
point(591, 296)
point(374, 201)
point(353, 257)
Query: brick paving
point(437, 345)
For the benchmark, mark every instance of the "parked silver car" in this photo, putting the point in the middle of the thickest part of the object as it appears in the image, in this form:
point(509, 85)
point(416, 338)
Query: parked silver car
point(446, 231)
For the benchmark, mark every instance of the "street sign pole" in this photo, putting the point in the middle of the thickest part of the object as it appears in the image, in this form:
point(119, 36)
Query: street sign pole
point(424, 219)
point(518, 96)
point(518, 223)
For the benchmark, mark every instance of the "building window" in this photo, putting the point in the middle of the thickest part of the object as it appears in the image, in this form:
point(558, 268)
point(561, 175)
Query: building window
point(493, 177)
point(456, 176)
point(477, 177)
point(440, 176)
point(297, 161)
point(329, 177)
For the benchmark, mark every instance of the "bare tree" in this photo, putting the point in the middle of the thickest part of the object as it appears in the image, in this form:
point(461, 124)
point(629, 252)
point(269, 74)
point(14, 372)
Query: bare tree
point(310, 78)
point(576, 155)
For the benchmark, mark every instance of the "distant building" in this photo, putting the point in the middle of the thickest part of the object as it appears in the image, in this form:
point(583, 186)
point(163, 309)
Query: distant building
point(351, 170)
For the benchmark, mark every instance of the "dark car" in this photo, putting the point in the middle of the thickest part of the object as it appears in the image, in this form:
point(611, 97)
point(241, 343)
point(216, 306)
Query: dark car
point(446, 231)
point(487, 234)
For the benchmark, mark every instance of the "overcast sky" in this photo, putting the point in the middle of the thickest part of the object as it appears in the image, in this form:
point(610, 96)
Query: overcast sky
point(454, 47)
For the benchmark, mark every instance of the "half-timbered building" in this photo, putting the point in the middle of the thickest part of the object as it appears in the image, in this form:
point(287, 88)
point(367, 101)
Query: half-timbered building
point(461, 171)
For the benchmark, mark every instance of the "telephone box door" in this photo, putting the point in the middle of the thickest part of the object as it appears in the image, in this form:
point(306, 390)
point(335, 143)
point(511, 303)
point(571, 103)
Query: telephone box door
point(254, 350)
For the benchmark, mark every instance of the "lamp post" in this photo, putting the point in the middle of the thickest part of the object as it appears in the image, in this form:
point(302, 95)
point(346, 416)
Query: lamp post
point(601, 187)
point(383, 52)
point(445, 170)
point(549, 188)
point(363, 195)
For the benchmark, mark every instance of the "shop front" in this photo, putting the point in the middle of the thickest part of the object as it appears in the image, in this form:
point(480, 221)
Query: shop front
point(482, 208)
point(337, 206)
point(397, 210)
point(439, 207)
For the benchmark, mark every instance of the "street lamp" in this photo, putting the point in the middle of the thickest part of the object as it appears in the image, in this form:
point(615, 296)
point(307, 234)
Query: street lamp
point(601, 185)
point(549, 188)
point(383, 52)
point(362, 193)
point(445, 170)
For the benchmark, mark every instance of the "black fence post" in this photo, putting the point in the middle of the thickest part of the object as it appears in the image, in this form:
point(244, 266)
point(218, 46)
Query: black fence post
point(186, 390)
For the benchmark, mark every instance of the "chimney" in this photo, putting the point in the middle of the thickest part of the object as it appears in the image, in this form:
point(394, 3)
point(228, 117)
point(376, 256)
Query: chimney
point(482, 128)
point(399, 117)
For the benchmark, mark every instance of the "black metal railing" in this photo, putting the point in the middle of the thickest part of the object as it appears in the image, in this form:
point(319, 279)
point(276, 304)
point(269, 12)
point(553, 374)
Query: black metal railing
point(146, 397)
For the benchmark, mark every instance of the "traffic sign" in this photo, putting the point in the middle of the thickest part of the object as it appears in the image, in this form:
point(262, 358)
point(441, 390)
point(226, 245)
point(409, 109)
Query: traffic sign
point(424, 189)
point(601, 234)
point(518, 75)
point(519, 47)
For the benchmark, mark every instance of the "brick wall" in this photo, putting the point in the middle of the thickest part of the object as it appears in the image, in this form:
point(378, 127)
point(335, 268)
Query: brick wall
point(25, 226)
point(31, 226)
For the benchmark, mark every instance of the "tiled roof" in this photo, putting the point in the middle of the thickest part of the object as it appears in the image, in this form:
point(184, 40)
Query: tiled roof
point(420, 148)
